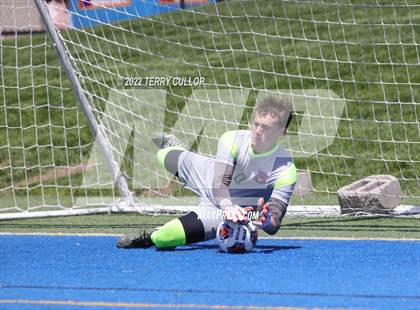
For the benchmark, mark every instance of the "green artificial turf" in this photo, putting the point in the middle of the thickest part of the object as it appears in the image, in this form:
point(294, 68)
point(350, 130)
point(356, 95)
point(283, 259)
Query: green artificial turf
point(329, 227)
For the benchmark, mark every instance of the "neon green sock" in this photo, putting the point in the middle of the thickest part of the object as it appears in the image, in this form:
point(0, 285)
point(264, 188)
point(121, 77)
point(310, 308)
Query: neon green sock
point(161, 154)
point(170, 235)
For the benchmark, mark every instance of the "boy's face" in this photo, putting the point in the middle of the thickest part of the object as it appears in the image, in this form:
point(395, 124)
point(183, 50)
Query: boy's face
point(265, 132)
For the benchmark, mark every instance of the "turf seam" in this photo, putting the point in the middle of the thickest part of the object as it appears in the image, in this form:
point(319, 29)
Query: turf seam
point(197, 291)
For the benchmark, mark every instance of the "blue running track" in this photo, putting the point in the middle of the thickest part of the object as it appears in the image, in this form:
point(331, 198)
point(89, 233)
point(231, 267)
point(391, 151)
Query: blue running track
point(69, 272)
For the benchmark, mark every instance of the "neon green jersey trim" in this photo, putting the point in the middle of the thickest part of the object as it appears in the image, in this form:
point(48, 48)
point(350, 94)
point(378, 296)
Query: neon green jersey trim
point(288, 177)
point(228, 140)
point(265, 154)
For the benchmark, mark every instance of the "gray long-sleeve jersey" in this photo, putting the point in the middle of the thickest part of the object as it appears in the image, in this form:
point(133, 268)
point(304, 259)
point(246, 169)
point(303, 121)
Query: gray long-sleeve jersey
point(242, 176)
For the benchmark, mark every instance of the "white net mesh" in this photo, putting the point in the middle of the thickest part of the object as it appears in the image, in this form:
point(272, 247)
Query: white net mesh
point(348, 68)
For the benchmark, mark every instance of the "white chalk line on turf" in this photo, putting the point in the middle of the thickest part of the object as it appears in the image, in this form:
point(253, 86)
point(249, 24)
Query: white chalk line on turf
point(139, 305)
point(261, 238)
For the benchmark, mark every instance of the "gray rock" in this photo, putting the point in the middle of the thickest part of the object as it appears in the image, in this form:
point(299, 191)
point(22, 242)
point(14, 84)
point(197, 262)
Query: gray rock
point(373, 194)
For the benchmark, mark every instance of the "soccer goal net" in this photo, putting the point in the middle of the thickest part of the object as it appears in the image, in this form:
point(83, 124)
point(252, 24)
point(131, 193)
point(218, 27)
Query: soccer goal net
point(83, 92)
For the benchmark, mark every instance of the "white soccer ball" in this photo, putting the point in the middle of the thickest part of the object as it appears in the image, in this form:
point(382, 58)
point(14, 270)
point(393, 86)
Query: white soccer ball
point(235, 237)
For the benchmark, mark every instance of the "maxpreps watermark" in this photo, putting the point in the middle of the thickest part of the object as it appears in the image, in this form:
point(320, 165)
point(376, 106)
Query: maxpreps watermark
point(163, 81)
point(132, 115)
point(212, 213)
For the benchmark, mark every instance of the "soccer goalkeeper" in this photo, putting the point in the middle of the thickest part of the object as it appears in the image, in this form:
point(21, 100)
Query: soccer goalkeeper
point(250, 169)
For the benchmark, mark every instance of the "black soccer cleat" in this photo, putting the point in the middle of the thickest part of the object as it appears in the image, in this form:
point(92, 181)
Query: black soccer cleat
point(131, 241)
point(163, 140)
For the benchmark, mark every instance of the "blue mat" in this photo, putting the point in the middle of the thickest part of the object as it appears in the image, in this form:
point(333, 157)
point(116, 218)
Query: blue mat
point(75, 272)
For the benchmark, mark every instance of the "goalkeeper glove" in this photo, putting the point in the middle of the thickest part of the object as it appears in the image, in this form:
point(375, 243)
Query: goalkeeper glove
point(264, 218)
point(233, 212)
point(237, 214)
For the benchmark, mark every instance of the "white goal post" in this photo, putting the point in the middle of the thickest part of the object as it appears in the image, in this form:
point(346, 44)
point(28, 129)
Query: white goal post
point(81, 99)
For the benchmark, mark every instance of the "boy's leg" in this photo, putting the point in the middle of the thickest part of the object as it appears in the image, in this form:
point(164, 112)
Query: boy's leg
point(193, 227)
point(169, 158)
point(196, 172)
